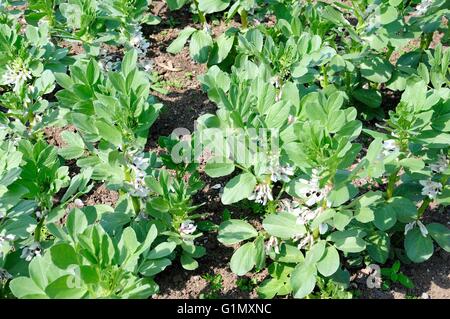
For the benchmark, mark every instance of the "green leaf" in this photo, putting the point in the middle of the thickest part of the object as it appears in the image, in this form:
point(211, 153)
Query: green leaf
point(418, 248)
point(349, 241)
point(211, 6)
point(244, 259)
point(200, 46)
point(404, 208)
point(303, 280)
point(175, 4)
point(238, 188)
point(369, 97)
point(283, 225)
point(74, 147)
point(413, 164)
point(316, 252)
point(290, 254)
point(376, 69)
point(385, 216)
point(177, 45)
point(162, 250)
point(129, 62)
point(76, 223)
point(25, 288)
point(188, 262)
point(109, 132)
point(65, 287)
point(234, 231)
point(219, 168)
point(329, 263)
point(154, 266)
point(269, 288)
point(440, 234)
point(63, 255)
point(378, 246)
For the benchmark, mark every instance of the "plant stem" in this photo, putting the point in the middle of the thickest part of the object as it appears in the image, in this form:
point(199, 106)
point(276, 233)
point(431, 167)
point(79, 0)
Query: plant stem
point(244, 19)
point(325, 76)
point(136, 204)
point(423, 207)
point(425, 41)
point(37, 231)
point(391, 184)
point(201, 15)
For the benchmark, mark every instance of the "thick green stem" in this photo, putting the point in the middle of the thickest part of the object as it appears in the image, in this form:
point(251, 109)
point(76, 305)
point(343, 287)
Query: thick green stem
point(201, 15)
point(426, 202)
point(244, 19)
point(391, 184)
point(136, 204)
point(356, 10)
point(38, 230)
point(325, 76)
point(425, 41)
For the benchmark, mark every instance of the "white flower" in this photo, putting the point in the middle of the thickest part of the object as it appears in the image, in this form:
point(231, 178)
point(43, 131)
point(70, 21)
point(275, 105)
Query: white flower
point(423, 7)
point(389, 147)
point(16, 75)
point(290, 206)
point(2, 215)
point(187, 227)
point(261, 194)
point(38, 214)
point(145, 64)
point(140, 162)
point(430, 188)
point(78, 203)
point(139, 189)
point(373, 24)
point(4, 240)
point(29, 252)
point(311, 193)
point(441, 164)
point(306, 215)
point(305, 240)
point(323, 228)
point(422, 228)
point(4, 275)
point(279, 172)
point(272, 243)
point(139, 42)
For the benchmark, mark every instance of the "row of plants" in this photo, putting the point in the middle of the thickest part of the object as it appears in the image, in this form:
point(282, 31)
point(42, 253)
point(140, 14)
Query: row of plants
point(52, 245)
point(309, 82)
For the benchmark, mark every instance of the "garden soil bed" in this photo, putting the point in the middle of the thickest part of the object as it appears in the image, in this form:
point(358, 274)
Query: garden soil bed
point(184, 103)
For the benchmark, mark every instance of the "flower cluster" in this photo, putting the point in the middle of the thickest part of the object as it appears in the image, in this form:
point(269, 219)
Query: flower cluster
point(423, 7)
point(311, 193)
point(138, 188)
point(279, 172)
point(29, 252)
point(4, 275)
point(139, 42)
point(441, 164)
point(16, 75)
point(261, 194)
point(272, 243)
point(430, 188)
point(305, 240)
point(187, 227)
point(410, 226)
point(3, 240)
point(108, 62)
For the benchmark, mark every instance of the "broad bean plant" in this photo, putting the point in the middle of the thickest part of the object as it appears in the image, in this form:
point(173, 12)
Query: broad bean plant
point(330, 136)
